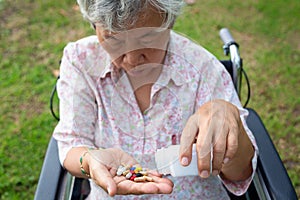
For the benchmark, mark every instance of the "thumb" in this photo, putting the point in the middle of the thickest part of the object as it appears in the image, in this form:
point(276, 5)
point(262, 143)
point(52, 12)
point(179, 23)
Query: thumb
point(187, 139)
point(104, 179)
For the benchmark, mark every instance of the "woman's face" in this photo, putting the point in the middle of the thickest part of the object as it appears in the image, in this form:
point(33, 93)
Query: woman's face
point(140, 48)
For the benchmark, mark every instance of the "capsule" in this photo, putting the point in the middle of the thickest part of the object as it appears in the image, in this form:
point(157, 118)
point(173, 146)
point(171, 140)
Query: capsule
point(139, 179)
point(139, 175)
point(125, 172)
point(145, 173)
point(133, 176)
point(120, 170)
point(148, 178)
point(128, 175)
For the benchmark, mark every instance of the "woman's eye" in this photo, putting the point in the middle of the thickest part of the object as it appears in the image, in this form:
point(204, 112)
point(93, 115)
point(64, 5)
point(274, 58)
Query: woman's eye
point(147, 41)
point(150, 39)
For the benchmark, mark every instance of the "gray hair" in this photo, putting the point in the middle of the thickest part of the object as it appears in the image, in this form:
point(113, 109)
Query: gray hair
point(117, 15)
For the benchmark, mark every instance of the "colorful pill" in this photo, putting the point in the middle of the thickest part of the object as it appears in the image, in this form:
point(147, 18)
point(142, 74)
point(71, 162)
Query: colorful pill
point(132, 177)
point(139, 179)
point(145, 173)
point(125, 172)
point(128, 175)
point(132, 168)
point(148, 178)
point(134, 173)
point(139, 175)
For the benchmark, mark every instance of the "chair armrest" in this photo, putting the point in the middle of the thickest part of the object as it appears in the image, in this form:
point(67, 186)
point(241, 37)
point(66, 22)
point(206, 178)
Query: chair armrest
point(275, 177)
point(228, 66)
point(50, 175)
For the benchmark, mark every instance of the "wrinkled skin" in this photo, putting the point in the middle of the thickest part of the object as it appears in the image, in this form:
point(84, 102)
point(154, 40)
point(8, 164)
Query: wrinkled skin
point(217, 126)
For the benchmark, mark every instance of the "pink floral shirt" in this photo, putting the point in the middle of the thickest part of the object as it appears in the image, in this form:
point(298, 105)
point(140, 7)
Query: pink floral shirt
point(98, 109)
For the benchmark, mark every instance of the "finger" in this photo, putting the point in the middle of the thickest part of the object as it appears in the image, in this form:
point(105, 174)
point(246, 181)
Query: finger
point(157, 179)
point(113, 171)
point(124, 158)
point(232, 143)
point(204, 165)
point(219, 150)
point(103, 178)
point(204, 147)
point(187, 139)
point(158, 186)
point(165, 185)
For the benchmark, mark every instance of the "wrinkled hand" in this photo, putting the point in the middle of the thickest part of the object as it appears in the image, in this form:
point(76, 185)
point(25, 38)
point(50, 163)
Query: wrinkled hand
point(217, 127)
point(103, 164)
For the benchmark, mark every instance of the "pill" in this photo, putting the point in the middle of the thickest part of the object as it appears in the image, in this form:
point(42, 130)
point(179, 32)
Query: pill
point(120, 170)
point(132, 168)
point(133, 176)
point(139, 175)
point(128, 175)
point(145, 173)
point(125, 172)
point(134, 173)
point(119, 173)
point(139, 179)
point(148, 178)
point(138, 168)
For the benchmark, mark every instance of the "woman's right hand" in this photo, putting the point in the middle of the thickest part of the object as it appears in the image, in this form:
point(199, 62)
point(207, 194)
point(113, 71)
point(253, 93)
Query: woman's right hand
point(103, 165)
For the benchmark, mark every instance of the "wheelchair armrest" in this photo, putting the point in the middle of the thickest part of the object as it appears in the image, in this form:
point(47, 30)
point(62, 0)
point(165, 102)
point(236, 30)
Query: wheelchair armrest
point(228, 66)
point(273, 173)
point(53, 177)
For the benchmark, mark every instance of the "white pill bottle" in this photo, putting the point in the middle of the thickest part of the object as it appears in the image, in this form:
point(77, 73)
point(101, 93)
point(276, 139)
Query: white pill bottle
point(167, 162)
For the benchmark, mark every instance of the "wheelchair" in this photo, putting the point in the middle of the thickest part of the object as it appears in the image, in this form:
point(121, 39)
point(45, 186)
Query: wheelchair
point(271, 180)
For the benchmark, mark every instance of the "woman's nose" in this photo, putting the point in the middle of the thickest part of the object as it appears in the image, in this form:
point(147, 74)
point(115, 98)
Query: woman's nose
point(134, 58)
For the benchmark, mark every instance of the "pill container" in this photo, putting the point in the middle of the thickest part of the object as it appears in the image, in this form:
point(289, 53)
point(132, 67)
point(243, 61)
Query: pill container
point(167, 162)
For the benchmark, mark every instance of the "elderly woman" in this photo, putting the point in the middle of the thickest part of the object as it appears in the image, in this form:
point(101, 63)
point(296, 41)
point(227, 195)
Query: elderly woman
point(135, 87)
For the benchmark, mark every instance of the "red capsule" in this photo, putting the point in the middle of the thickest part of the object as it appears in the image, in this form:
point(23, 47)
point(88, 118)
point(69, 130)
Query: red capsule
point(132, 177)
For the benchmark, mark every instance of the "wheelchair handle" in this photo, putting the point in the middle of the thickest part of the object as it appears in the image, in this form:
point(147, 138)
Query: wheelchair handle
point(232, 48)
point(226, 36)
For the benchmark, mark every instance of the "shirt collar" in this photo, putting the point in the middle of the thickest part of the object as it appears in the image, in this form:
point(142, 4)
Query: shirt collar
point(176, 69)
point(110, 69)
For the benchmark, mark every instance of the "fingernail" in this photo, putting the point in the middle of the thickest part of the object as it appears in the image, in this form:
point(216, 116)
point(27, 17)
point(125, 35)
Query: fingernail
point(108, 190)
point(215, 172)
point(204, 174)
point(184, 161)
point(225, 160)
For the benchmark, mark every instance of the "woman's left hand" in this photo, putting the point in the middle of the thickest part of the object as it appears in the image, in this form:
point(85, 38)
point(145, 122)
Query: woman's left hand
point(222, 144)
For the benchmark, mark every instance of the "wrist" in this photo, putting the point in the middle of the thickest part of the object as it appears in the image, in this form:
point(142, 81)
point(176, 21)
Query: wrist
point(84, 166)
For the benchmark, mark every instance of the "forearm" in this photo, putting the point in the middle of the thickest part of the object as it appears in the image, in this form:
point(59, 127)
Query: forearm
point(239, 168)
point(72, 161)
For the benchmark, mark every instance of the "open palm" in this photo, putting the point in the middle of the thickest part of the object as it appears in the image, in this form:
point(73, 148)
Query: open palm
point(103, 166)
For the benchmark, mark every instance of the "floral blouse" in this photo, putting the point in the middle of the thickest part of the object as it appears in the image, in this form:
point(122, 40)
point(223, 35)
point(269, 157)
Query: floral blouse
point(98, 109)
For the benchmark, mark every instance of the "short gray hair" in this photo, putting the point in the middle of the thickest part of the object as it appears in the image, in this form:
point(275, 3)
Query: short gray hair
point(117, 15)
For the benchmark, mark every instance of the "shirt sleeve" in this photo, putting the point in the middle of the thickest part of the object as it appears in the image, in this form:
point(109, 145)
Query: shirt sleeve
point(77, 105)
point(217, 83)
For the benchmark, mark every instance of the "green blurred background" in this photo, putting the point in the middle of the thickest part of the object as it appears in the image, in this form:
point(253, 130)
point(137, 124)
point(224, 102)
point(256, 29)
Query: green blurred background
point(32, 37)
